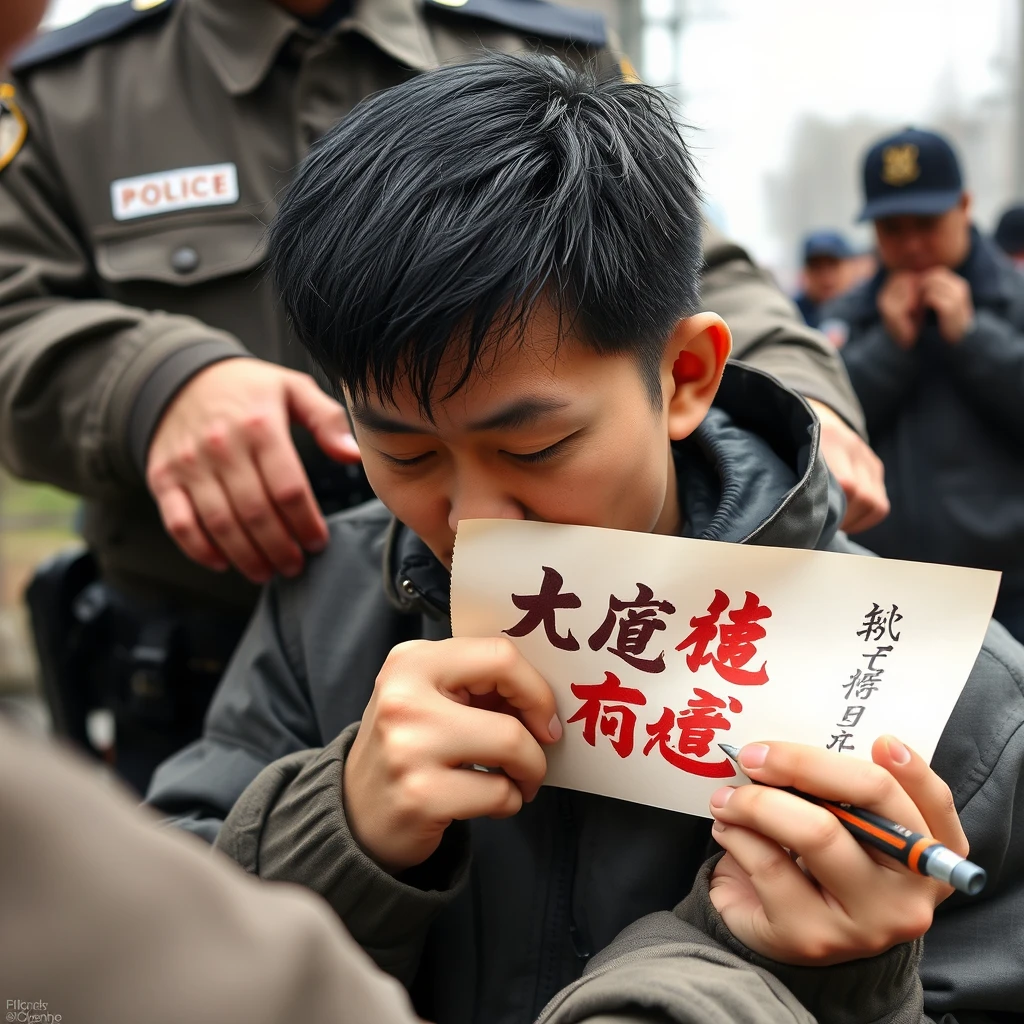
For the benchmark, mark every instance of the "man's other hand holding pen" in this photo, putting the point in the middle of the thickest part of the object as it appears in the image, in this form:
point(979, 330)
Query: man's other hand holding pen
point(795, 885)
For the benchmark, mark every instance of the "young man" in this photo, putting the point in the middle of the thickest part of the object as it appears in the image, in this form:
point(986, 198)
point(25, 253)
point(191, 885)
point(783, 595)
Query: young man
point(498, 264)
point(826, 273)
point(935, 349)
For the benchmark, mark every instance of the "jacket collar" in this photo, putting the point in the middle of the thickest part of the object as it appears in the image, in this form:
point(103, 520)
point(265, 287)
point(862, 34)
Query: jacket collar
point(242, 38)
point(752, 473)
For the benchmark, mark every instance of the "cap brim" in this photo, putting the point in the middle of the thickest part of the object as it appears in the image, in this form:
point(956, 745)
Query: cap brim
point(833, 253)
point(913, 203)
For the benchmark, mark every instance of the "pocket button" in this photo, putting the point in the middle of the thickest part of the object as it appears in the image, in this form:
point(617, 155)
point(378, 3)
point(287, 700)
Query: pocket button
point(184, 260)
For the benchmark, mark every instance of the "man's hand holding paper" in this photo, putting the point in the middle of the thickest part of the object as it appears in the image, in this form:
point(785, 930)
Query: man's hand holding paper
point(437, 709)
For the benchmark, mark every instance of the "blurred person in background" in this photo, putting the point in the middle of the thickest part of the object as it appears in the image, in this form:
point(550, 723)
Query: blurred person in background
point(146, 363)
point(1009, 234)
point(935, 349)
point(826, 273)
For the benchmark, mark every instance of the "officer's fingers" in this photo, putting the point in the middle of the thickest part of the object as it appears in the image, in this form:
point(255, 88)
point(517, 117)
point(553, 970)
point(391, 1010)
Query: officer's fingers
point(927, 789)
point(259, 517)
point(285, 479)
point(843, 452)
point(220, 522)
point(179, 519)
point(871, 504)
point(322, 416)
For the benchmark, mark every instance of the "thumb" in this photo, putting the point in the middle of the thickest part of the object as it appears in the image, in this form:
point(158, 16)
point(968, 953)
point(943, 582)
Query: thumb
point(322, 416)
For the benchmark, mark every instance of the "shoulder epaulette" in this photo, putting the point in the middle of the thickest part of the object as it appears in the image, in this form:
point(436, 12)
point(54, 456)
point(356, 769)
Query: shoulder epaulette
point(101, 25)
point(532, 18)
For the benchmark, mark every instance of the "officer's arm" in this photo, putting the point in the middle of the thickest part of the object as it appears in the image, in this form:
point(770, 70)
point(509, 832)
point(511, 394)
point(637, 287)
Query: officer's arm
point(987, 366)
point(73, 366)
point(882, 373)
point(768, 331)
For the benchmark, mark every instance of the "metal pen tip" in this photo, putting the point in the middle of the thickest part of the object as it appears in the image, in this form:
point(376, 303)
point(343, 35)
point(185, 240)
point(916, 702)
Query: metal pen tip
point(733, 752)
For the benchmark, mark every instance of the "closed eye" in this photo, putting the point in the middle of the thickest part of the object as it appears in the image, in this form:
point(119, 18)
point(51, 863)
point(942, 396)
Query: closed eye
point(545, 453)
point(414, 461)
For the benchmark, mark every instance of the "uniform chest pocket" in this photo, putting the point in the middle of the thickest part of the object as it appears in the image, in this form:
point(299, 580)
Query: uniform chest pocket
point(183, 252)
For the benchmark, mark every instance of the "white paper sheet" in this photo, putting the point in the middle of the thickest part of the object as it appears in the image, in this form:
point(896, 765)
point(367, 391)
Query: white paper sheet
point(708, 643)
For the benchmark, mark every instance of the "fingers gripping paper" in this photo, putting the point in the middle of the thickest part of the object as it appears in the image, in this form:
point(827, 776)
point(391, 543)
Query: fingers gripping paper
point(658, 648)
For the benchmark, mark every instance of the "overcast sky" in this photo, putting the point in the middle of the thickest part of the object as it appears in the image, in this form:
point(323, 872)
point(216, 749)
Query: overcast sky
point(750, 69)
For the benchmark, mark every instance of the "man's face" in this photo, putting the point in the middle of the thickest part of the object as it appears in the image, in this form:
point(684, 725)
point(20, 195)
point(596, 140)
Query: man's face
point(547, 431)
point(918, 243)
point(824, 278)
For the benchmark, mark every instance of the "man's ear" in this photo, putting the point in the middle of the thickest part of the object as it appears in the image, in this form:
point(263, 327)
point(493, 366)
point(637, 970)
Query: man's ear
point(692, 367)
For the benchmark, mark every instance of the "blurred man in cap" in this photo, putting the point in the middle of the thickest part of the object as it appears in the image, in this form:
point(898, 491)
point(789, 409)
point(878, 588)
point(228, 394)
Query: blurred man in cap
point(826, 272)
point(1009, 234)
point(935, 350)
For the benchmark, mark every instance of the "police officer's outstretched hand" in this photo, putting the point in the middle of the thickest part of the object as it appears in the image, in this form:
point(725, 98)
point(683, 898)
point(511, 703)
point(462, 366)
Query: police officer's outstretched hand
point(438, 708)
point(225, 473)
point(857, 469)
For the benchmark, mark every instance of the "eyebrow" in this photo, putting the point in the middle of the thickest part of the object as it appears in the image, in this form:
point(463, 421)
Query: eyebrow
point(521, 413)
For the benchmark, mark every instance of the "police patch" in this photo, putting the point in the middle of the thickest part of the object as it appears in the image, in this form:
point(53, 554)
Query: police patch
point(13, 126)
point(899, 165)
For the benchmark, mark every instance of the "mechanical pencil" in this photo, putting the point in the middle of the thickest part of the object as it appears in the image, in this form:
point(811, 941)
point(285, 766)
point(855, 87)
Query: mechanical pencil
point(920, 853)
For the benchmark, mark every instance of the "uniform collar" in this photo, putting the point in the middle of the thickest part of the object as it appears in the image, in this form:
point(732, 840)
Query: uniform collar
point(242, 38)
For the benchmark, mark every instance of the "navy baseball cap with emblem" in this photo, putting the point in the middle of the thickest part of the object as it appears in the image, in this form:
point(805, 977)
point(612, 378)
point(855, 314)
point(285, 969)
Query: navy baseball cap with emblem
point(911, 172)
point(826, 243)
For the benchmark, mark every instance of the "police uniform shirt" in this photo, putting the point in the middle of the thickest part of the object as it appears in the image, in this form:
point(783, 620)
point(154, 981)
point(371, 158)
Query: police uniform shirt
point(144, 150)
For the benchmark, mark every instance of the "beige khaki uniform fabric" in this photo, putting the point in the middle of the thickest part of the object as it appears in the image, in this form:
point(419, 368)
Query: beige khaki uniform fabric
point(108, 919)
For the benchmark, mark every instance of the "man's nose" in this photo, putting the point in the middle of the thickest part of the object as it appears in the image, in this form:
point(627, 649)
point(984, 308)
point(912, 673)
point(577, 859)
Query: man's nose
point(476, 501)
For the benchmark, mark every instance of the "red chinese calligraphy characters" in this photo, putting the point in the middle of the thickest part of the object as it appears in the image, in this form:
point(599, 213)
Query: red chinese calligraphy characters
point(635, 628)
point(736, 641)
point(605, 704)
point(540, 609)
point(697, 727)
